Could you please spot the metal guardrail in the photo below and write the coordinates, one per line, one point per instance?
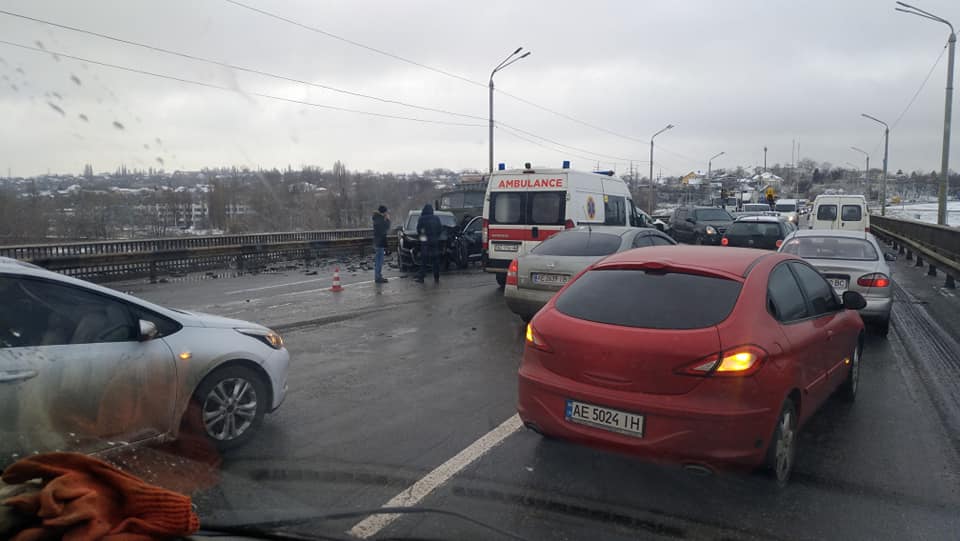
(937, 244)
(114, 260)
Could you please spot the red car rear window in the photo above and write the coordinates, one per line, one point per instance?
(650, 299)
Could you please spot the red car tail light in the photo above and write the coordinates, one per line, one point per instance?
(569, 224)
(724, 241)
(734, 362)
(877, 279)
(512, 273)
(485, 234)
(535, 341)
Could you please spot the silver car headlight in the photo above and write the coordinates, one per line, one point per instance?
(266, 336)
(711, 230)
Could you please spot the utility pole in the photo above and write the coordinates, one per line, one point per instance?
(506, 62)
(764, 159)
(653, 203)
(886, 148)
(866, 171)
(947, 110)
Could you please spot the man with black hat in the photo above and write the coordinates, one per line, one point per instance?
(381, 226)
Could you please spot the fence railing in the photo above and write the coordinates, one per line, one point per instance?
(114, 260)
(937, 245)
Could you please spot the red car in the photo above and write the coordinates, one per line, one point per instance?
(706, 356)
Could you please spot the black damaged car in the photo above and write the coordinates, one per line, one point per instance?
(459, 243)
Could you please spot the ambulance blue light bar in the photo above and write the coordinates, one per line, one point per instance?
(501, 166)
(607, 173)
(566, 164)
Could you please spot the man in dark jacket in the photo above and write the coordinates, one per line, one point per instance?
(429, 229)
(381, 226)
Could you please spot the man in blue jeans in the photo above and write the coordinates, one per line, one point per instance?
(381, 226)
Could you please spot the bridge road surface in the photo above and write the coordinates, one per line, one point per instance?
(390, 382)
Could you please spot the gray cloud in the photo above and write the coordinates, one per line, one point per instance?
(733, 77)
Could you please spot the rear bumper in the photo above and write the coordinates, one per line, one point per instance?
(495, 265)
(526, 302)
(877, 308)
(687, 428)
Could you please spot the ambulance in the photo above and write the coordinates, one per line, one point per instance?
(524, 207)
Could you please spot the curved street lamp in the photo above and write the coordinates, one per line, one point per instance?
(886, 148)
(507, 62)
(653, 204)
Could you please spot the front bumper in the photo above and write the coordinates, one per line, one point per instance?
(278, 367)
(692, 428)
(526, 302)
(712, 240)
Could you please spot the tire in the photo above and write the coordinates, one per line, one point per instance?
(210, 396)
(501, 280)
(463, 259)
(849, 388)
(400, 265)
(783, 445)
(883, 328)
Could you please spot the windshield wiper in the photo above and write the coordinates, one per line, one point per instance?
(267, 530)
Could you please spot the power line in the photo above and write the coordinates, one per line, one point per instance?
(430, 68)
(508, 131)
(354, 43)
(231, 90)
(236, 67)
(618, 158)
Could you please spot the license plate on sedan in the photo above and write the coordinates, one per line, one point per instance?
(839, 284)
(549, 279)
(507, 246)
(613, 420)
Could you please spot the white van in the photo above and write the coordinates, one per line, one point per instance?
(847, 212)
(524, 207)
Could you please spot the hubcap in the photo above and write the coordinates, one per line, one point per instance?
(229, 409)
(785, 446)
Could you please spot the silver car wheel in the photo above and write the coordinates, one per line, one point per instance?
(229, 409)
(785, 446)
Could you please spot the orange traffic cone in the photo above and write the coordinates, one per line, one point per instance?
(336, 281)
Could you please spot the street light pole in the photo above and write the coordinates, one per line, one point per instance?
(947, 110)
(886, 149)
(506, 62)
(710, 165)
(653, 204)
(866, 172)
(764, 159)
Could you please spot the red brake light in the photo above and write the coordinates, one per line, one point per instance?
(779, 243)
(485, 234)
(512, 273)
(735, 362)
(877, 279)
(569, 224)
(535, 341)
(724, 241)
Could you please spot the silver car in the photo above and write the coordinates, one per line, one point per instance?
(534, 278)
(850, 260)
(85, 368)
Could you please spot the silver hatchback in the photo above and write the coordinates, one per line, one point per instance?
(850, 260)
(534, 278)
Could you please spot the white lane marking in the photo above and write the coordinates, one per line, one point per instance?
(412, 495)
(295, 284)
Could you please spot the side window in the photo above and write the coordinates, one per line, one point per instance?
(823, 300)
(851, 213)
(474, 226)
(614, 210)
(827, 212)
(641, 241)
(165, 326)
(681, 215)
(657, 240)
(784, 299)
(42, 313)
(506, 207)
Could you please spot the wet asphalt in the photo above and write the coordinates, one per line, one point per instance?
(390, 381)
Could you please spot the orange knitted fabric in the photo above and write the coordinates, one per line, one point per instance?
(86, 499)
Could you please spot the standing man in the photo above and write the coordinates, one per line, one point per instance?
(381, 226)
(429, 229)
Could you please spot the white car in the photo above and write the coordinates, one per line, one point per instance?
(85, 368)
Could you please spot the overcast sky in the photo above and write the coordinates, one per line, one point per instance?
(732, 76)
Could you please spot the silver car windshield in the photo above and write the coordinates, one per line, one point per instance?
(831, 248)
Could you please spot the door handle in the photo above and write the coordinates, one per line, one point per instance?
(18, 375)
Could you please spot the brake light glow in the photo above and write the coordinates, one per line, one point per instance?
(877, 279)
(569, 224)
(485, 234)
(779, 243)
(535, 341)
(724, 241)
(512, 273)
(734, 362)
